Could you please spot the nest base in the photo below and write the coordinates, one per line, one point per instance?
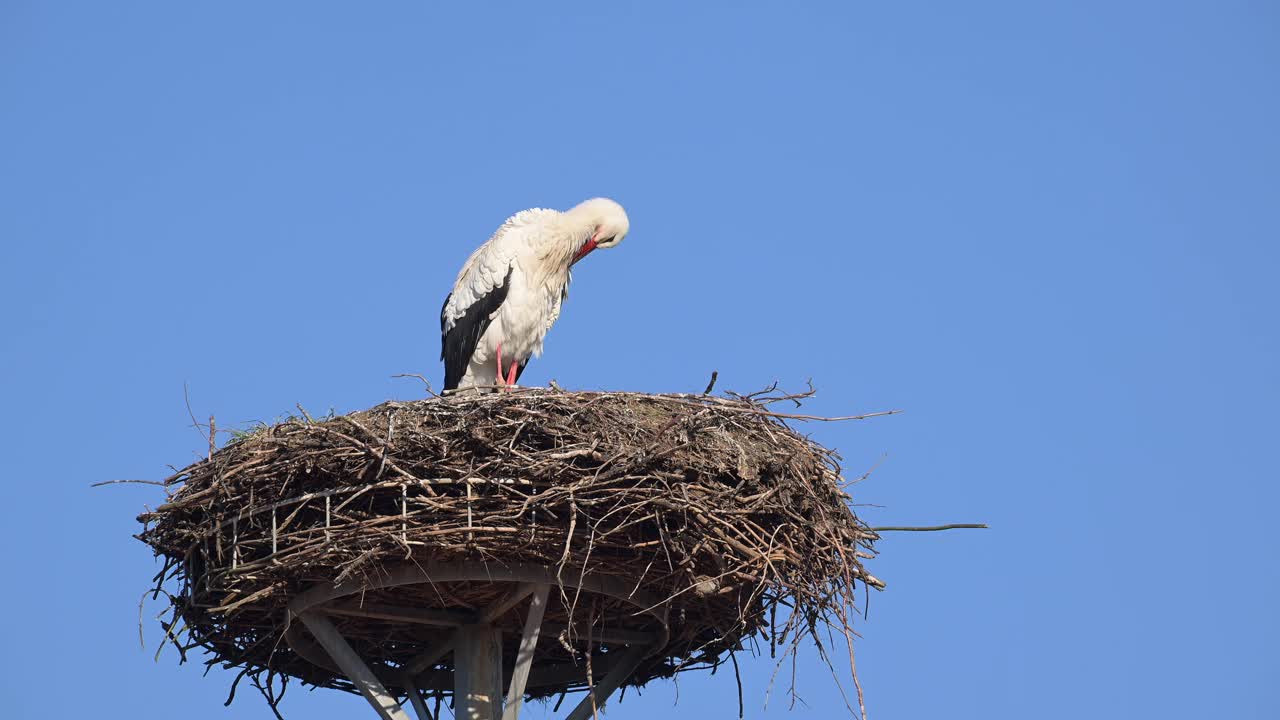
(478, 646)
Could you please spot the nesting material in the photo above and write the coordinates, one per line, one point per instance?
(733, 523)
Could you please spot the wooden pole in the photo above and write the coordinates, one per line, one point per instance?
(415, 698)
(597, 695)
(522, 591)
(524, 656)
(477, 677)
(431, 655)
(354, 667)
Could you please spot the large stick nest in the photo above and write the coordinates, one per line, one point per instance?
(712, 506)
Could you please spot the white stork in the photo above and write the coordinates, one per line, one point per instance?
(509, 292)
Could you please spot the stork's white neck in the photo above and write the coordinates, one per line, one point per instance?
(568, 235)
(577, 226)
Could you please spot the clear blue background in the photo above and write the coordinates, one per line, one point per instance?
(1046, 230)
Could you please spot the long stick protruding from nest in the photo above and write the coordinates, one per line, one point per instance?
(930, 528)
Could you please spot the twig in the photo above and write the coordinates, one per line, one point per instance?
(425, 381)
(820, 418)
(712, 383)
(738, 678)
(930, 528)
(304, 412)
(186, 397)
(141, 482)
(141, 641)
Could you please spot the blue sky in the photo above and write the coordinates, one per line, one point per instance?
(1046, 230)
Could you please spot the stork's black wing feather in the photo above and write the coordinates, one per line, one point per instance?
(459, 342)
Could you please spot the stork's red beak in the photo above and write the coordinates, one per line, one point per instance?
(583, 251)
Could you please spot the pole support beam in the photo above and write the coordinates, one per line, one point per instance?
(354, 667)
(597, 695)
(524, 656)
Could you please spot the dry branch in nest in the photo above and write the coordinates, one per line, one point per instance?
(711, 508)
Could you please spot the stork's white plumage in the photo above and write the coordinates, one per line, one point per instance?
(509, 291)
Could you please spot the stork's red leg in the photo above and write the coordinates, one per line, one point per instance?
(501, 380)
(511, 377)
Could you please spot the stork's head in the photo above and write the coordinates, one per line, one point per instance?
(604, 223)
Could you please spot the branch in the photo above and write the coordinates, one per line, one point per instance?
(425, 382)
(186, 398)
(930, 528)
